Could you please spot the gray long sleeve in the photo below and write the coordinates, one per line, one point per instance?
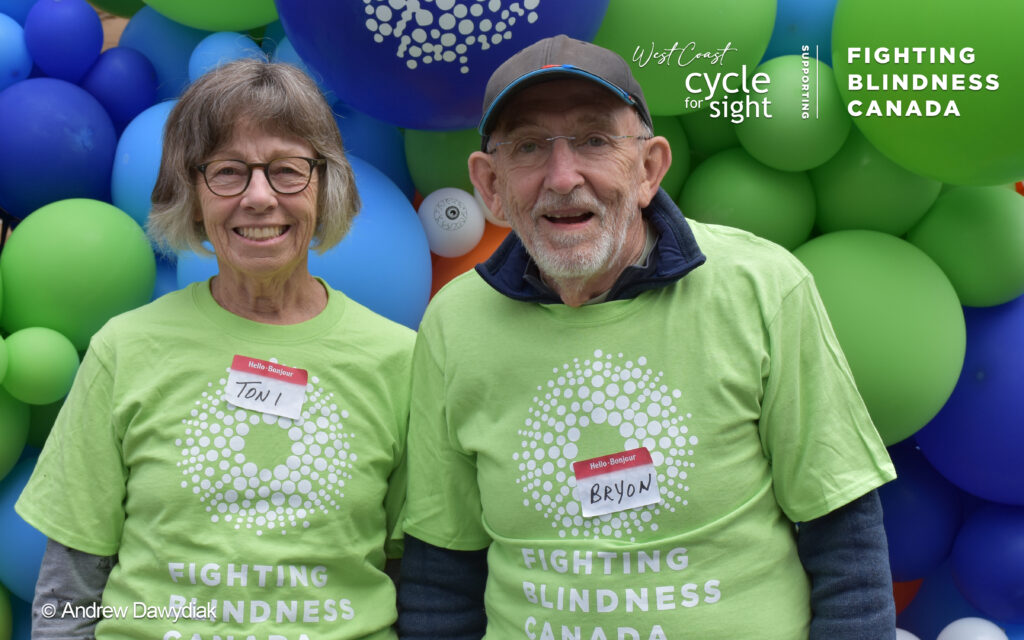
(68, 577)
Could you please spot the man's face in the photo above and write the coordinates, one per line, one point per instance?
(575, 204)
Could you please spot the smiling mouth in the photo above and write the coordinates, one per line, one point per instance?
(576, 219)
(261, 233)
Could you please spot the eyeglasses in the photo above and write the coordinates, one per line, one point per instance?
(286, 176)
(531, 151)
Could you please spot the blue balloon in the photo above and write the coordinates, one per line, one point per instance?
(166, 276)
(988, 562)
(56, 142)
(377, 142)
(64, 37)
(286, 53)
(977, 439)
(21, 616)
(124, 81)
(15, 61)
(799, 23)
(922, 514)
(273, 34)
(192, 267)
(220, 48)
(167, 44)
(17, 9)
(22, 545)
(937, 603)
(137, 161)
(424, 65)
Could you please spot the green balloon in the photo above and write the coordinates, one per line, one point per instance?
(859, 188)
(665, 41)
(984, 145)
(123, 8)
(41, 365)
(41, 419)
(222, 15)
(6, 616)
(807, 123)
(72, 265)
(898, 320)
(976, 234)
(14, 428)
(673, 131)
(438, 159)
(733, 189)
(707, 135)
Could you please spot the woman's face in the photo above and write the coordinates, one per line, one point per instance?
(259, 234)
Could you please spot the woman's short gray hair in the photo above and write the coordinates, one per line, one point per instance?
(278, 98)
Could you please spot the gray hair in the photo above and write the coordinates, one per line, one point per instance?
(280, 98)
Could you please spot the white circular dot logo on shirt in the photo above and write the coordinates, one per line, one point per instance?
(424, 36)
(300, 468)
(603, 392)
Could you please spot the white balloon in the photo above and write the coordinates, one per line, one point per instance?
(902, 634)
(487, 211)
(452, 221)
(972, 629)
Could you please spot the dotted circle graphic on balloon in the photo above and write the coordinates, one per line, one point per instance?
(599, 393)
(284, 497)
(445, 31)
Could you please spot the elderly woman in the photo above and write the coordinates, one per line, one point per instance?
(229, 461)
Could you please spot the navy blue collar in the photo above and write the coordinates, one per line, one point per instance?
(512, 272)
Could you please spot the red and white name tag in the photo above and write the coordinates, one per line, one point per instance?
(616, 482)
(267, 387)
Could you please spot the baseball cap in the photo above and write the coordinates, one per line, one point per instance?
(560, 57)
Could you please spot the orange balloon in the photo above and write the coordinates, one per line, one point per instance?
(904, 592)
(447, 268)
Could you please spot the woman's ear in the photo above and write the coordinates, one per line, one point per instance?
(485, 179)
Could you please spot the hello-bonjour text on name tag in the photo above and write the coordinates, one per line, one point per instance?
(616, 482)
(266, 387)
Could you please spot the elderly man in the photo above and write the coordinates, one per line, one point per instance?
(625, 424)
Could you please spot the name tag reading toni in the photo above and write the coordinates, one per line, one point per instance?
(267, 387)
(616, 482)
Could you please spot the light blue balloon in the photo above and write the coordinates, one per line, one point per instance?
(220, 48)
(22, 545)
(15, 61)
(799, 23)
(192, 267)
(137, 161)
(167, 44)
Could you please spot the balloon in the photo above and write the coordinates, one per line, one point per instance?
(904, 592)
(73, 264)
(16, 9)
(57, 141)
(672, 129)
(124, 82)
(938, 602)
(14, 425)
(447, 268)
(23, 546)
(974, 144)
(273, 35)
(725, 37)
(6, 615)
(222, 15)
(439, 159)
(706, 135)
(859, 188)
(971, 629)
(902, 634)
(452, 221)
(286, 53)
(988, 561)
(799, 23)
(41, 419)
(922, 514)
(898, 320)
(220, 48)
(123, 8)
(375, 141)
(42, 365)
(166, 276)
(805, 127)
(15, 61)
(64, 37)
(388, 235)
(424, 65)
(976, 234)
(137, 161)
(976, 440)
(734, 189)
(167, 44)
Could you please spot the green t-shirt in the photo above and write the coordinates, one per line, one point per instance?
(275, 528)
(733, 381)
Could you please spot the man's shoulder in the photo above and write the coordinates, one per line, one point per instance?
(729, 247)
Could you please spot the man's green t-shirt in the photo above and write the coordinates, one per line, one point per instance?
(732, 380)
(271, 527)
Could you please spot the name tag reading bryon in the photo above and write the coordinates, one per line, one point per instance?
(616, 482)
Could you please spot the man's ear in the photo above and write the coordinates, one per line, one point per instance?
(485, 179)
(656, 161)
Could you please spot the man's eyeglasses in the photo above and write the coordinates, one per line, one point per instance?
(531, 151)
(285, 175)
